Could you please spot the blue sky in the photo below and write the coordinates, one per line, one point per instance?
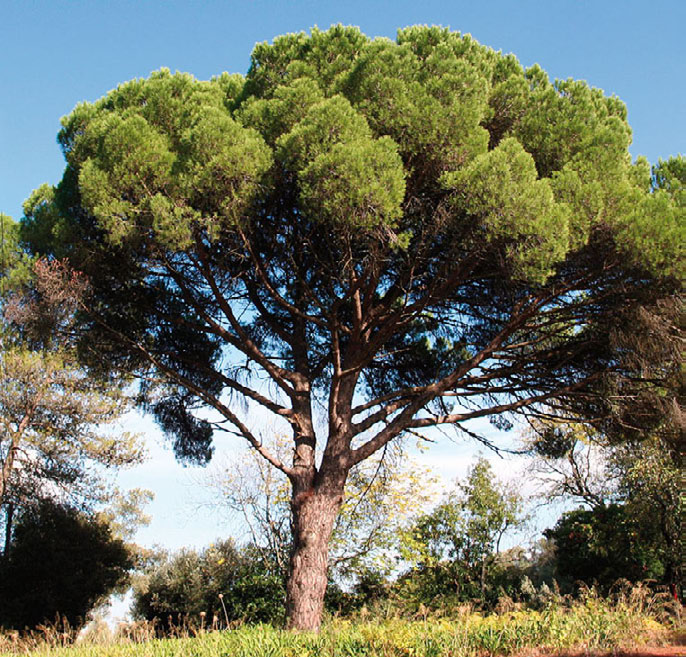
(56, 53)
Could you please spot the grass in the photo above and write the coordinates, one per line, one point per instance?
(592, 624)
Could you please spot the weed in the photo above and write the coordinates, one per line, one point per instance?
(592, 623)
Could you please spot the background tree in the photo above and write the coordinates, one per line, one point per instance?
(455, 547)
(62, 563)
(381, 494)
(125, 514)
(411, 234)
(58, 424)
(632, 525)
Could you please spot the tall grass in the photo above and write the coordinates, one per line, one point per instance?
(593, 623)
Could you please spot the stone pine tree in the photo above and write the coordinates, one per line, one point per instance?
(365, 238)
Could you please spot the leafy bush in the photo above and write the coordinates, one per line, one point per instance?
(602, 545)
(221, 584)
(61, 562)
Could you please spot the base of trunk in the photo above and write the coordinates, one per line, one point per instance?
(314, 514)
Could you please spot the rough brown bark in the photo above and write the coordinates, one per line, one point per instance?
(314, 512)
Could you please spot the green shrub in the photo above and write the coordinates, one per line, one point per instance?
(61, 563)
(222, 584)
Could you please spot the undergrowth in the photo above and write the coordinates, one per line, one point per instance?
(589, 624)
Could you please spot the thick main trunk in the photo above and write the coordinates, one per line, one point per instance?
(314, 513)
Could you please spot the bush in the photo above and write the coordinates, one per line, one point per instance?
(60, 563)
(221, 584)
(603, 545)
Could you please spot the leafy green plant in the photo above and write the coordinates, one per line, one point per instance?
(216, 586)
(61, 564)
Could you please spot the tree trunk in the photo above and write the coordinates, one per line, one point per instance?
(314, 512)
(9, 517)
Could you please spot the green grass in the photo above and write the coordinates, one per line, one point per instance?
(590, 625)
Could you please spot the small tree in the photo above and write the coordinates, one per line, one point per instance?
(404, 234)
(58, 423)
(62, 563)
(461, 537)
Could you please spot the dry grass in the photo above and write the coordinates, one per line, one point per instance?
(591, 625)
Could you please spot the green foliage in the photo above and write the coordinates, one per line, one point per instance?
(456, 546)
(605, 544)
(61, 564)
(15, 265)
(224, 583)
(502, 186)
(655, 223)
(669, 176)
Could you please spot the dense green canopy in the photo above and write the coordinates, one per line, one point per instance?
(432, 186)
